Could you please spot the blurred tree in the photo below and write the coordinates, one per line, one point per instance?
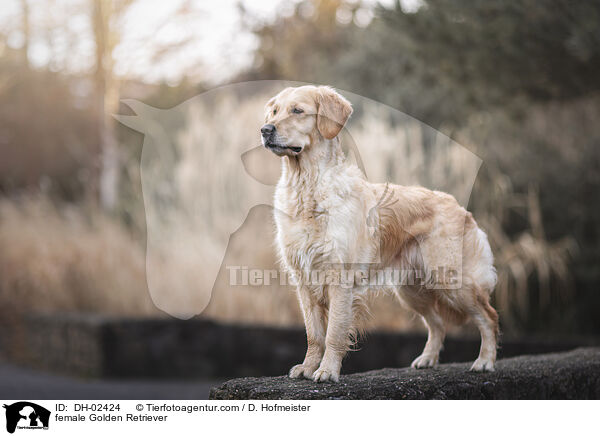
(107, 21)
(491, 53)
(304, 45)
(444, 61)
(106, 34)
(26, 32)
(65, 80)
(45, 128)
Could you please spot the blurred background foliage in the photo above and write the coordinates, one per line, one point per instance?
(516, 82)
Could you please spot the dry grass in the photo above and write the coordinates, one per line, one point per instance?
(526, 257)
(64, 259)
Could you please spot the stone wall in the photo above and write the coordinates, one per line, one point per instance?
(97, 346)
(569, 375)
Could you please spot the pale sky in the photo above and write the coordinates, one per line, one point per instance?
(217, 47)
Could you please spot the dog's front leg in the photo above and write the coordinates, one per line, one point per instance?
(314, 320)
(338, 334)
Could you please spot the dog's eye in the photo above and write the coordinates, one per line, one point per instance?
(297, 110)
(274, 111)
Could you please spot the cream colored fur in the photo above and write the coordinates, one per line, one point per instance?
(329, 217)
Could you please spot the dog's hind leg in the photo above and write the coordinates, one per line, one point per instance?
(314, 320)
(486, 319)
(435, 340)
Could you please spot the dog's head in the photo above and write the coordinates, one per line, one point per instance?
(297, 118)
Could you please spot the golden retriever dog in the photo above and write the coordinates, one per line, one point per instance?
(330, 218)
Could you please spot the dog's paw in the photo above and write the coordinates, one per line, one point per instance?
(301, 370)
(425, 361)
(326, 374)
(483, 365)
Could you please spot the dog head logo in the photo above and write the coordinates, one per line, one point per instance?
(202, 171)
(26, 415)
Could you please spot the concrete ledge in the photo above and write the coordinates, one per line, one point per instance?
(570, 375)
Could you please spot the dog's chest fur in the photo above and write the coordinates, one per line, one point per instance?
(319, 218)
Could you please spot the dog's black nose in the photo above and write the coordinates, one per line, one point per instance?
(267, 129)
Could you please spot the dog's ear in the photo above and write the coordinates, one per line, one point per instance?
(333, 112)
(269, 108)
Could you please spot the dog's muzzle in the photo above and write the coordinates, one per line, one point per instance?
(269, 137)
